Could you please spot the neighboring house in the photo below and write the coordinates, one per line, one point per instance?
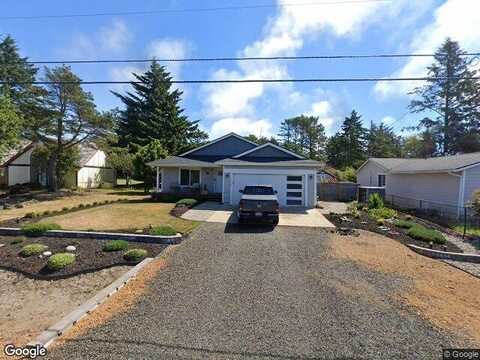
(92, 170)
(225, 165)
(326, 177)
(449, 181)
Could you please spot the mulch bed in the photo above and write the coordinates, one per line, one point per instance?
(395, 233)
(89, 256)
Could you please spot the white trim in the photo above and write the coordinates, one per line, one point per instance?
(461, 193)
(272, 145)
(190, 169)
(217, 140)
(223, 186)
(467, 167)
(267, 171)
(157, 188)
(305, 192)
(315, 189)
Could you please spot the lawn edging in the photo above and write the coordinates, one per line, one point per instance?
(47, 337)
(158, 239)
(437, 254)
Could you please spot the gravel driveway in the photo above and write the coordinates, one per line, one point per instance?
(229, 293)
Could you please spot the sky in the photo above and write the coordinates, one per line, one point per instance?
(286, 28)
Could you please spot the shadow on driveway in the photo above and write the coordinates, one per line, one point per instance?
(234, 228)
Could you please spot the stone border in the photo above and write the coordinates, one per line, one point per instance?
(47, 337)
(437, 254)
(166, 240)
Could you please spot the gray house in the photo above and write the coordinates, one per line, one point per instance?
(225, 165)
(447, 183)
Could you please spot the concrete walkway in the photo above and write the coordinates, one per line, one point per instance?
(292, 216)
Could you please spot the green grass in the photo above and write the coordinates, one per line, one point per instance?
(33, 249)
(60, 261)
(421, 233)
(471, 230)
(39, 229)
(404, 224)
(135, 255)
(164, 230)
(382, 213)
(115, 245)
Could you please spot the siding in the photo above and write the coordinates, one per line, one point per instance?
(95, 172)
(268, 153)
(368, 175)
(170, 178)
(439, 187)
(225, 148)
(20, 174)
(472, 182)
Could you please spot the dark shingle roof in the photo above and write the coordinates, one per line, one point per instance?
(437, 164)
(388, 163)
(176, 161)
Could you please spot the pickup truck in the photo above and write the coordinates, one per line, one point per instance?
(258, 203)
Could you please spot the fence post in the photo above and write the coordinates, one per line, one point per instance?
(464, 221)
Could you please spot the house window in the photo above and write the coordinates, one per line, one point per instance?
(189, 177)
(381, 180)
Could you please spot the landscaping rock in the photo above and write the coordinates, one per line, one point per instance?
(347, 231)
(384, 228)
(71, 248)
(47, 253)
(345, 219)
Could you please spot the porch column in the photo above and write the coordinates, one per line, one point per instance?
(158, 179)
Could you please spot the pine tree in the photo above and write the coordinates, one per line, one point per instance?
(10, 125)
(451, 100)
(152, 112)
(383, 142)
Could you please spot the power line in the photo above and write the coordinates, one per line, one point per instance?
(244, 58)
(187, 10)
(243, 81)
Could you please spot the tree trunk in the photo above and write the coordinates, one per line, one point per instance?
(52, 173)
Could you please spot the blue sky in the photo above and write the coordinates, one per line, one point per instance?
(397, 26)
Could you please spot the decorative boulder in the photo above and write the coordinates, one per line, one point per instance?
(71, 248)
(47, 253)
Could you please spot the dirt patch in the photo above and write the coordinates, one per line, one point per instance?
(29, 306)
(448, 297)
(126, 297)
(395, 233)
(89, 256)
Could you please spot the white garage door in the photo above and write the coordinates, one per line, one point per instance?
(290, 188)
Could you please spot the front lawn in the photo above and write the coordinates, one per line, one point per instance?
(471, 230)
(128, 217)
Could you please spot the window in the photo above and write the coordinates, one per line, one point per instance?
(258, 190)
(294, 194)
(189, 177)
(381, 180)
(294, 178)
(294, 186)
(294, 202)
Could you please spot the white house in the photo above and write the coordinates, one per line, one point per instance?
(447, 182)
(225, 165)
(92, 169)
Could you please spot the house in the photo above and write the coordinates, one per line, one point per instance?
(225, 165)
(445, 183)
(325, 176)
(19, 167)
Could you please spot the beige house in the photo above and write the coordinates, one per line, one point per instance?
(447, 183)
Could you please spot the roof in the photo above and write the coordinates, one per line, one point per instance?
(268, 145)
(217, 140)
(15, 152)
(285, 163)
(87, 151)
(386, 163)
(177, 161)
(437, 164)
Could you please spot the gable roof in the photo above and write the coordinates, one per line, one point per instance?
(251, 151)
(177, 161)
(287, 163)
(16, 152)
(438, 164)
(87, 151)
(386, 163)
(232, 134)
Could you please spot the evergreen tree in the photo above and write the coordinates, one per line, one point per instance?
(150, 152)
(383, 142)
(451, 100)
(152, 112)
(419, 146)
(260, 140)
(10, 125)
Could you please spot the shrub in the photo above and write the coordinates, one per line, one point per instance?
(381, 221)
(404, 224)
(60, 261)
(375, 201)
(421, 233)
(115, 245)
(46, 213)
(17, 240)
(39, 228)
(65, 208)
(33, 249)
(81, 206)
(165, 230)
(186, 202)
(95, 203)
(135, 255)
(384, 213)
(30, 215)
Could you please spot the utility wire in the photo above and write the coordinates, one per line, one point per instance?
(242, 81)
(246, 58)
(187, 10)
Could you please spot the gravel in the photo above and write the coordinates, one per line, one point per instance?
(254, 293)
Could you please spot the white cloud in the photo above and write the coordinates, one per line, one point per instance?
(457, 19)
(387, 120)
(169, 49)
(242, 126)
(115, 37)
